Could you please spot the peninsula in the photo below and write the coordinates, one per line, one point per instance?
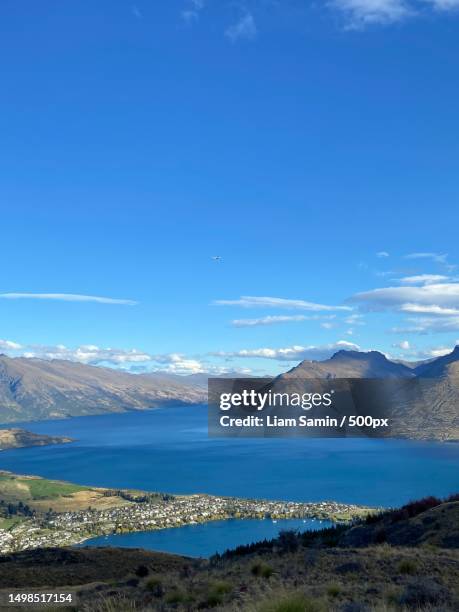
(20, 438)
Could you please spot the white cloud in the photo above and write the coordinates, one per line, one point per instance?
(433, 309)
(382, 254)
(436, 294)
(291, 353)
(354, 319)
(361, 13)
(9, 345)
(276, 319)
(65, 297)
(404, 345)
(436, 257)
(423, 279)
(245, 29)
(429, 353)
(267, 320)
(429, 325)
(89, 354)
(445, 5)
(274, 302)
(176, 363)
(438, 301)
(192, 10)
(410, 352)
(438, 351)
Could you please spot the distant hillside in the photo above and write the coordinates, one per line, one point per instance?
(448, 365)
(199, 379)
(35, 389)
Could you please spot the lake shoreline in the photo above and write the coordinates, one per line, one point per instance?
(217, 536)
(62, 514)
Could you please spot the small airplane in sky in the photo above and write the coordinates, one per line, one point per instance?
(216, 257)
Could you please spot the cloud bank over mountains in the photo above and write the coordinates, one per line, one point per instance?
(92, 354)
(292, 353)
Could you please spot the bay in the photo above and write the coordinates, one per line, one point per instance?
(206, 539)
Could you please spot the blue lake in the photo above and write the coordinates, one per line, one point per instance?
(206, 539)
(168, 450)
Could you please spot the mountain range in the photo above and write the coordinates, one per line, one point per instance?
(37, 389)
(352, 364)
(428, 409)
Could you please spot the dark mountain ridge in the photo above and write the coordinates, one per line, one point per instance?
(351, 364)
(426, 408)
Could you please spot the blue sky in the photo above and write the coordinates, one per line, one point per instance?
(313, 146)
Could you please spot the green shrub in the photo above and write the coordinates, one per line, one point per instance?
(216, 594)
(262, 570)
(176, 596)
(222, 587)
(407, 566)
(333, 589)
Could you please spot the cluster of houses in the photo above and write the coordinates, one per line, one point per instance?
(66, 528)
